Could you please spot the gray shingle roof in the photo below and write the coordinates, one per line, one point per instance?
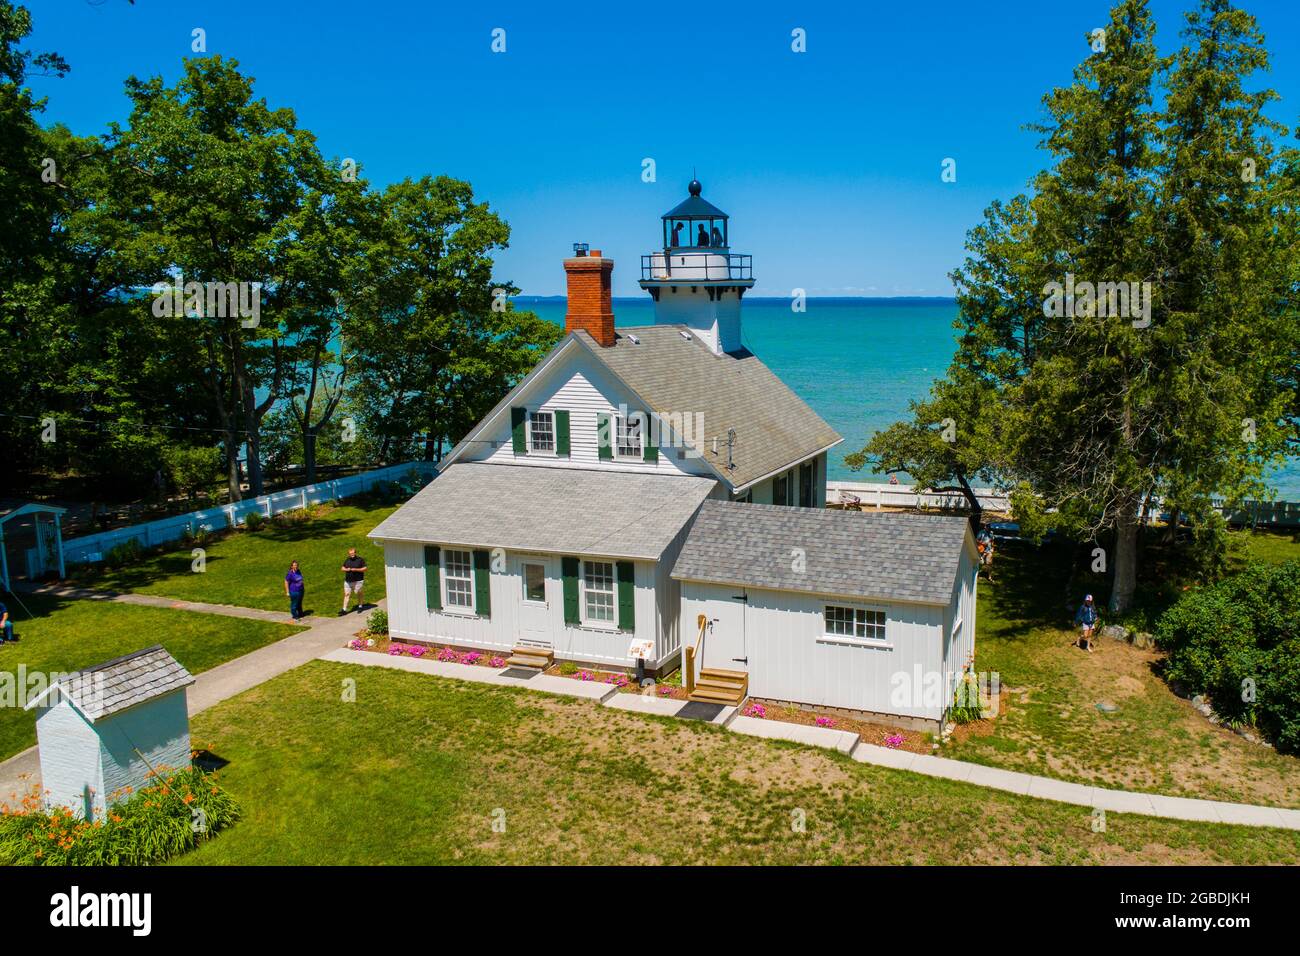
(884, 556)
(123, 682)
(675, 375)
(558, 510)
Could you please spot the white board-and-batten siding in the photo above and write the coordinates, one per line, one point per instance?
(580, 385)
(790, 657)
(410, 618)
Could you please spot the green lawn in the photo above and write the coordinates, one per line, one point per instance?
(417, 769)
(65, 635)
(246, 568)
(1050, 723)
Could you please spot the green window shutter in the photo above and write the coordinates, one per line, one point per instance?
(482, 584)
(649, 452)
(626, 596)
(432, 582)
(605, 436)
(562, 432)
(569, 574)
(518, 422)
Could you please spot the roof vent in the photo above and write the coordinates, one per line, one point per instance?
(685, 335)
(633, 339)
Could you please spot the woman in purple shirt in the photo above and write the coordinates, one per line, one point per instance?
(294, 588)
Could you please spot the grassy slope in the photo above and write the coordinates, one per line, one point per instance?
(1051, 725)
(414, 769)
(65, 635)
(246, 568)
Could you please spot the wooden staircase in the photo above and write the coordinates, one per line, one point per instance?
(717, 686)
(538, 658)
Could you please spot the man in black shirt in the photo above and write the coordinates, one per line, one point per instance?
(354, 579)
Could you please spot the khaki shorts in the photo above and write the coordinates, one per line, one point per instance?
(353, 587)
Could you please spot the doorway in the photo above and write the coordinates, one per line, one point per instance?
(536, 583)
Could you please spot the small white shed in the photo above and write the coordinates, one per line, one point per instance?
(871, 613)
(108, 727)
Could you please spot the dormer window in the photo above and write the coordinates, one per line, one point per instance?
(629, 442)
(541, 433)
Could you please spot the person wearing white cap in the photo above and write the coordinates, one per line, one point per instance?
(1086, 617)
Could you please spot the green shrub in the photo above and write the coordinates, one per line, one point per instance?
(568, 668)
(254, 520)
(1238, 641)
(165, 819)
(124, 553)
(377, 622)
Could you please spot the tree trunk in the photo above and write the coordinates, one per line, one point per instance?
(232, 467)
(309, 453)
(1124, 583)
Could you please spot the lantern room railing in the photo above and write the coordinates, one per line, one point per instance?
(703, 264)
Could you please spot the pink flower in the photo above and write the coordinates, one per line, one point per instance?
(825, 722)
(756, 710)
(497, 661)
(395, 650)
(586, 675)
(471, 658)
(417, 650)
(894, 740)
(447, 654)
(665, 691)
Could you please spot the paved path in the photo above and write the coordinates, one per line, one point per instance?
(846, 742)
(154, 600)
(225, 680)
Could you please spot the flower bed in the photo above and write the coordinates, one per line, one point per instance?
(156, 823)
(383, 645)
(880, 735)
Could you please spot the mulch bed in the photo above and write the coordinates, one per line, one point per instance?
(916, 741)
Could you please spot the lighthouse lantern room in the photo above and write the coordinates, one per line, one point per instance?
(696, 280)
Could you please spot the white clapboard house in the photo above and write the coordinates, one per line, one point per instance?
(660, 484)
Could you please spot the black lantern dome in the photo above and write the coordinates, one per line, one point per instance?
(695, 223)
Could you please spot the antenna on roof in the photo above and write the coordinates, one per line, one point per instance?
(731, 441)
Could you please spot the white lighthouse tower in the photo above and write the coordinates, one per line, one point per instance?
(696, 280)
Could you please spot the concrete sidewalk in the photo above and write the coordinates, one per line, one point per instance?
(223, 681)
(154, 600)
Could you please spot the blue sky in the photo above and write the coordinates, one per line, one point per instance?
(828, 161)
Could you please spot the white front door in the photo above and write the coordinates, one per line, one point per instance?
(534, 578)
(724, 644)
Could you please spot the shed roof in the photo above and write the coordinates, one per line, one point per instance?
(882, 556)
(555, 510)
(678, 374)
(124, 682)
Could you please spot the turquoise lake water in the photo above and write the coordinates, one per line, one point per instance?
(858, 362)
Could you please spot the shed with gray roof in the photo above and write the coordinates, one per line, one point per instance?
(872, 613)
(106, 731)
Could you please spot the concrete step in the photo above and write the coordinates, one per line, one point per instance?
(709, 696)
(529, 660)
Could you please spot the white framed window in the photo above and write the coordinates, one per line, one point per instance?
(598, 605)
(534, 580)
(457, 579)
(541, 433)
(859, 623)
(628, 436)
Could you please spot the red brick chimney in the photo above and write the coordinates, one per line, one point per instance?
(590, 300)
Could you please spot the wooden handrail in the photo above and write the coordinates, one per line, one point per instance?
(703, 623)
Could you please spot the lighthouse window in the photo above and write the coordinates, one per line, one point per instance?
(629, 436)
(541, 428)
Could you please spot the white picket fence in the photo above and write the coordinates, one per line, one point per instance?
(880, 494)
(93, 547)
(1264, 514)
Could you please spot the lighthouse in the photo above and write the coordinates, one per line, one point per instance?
(695, 279)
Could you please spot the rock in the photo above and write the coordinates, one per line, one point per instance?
(1198, 701)
(1106, 707)
(1179, 689)
(1115, 632)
